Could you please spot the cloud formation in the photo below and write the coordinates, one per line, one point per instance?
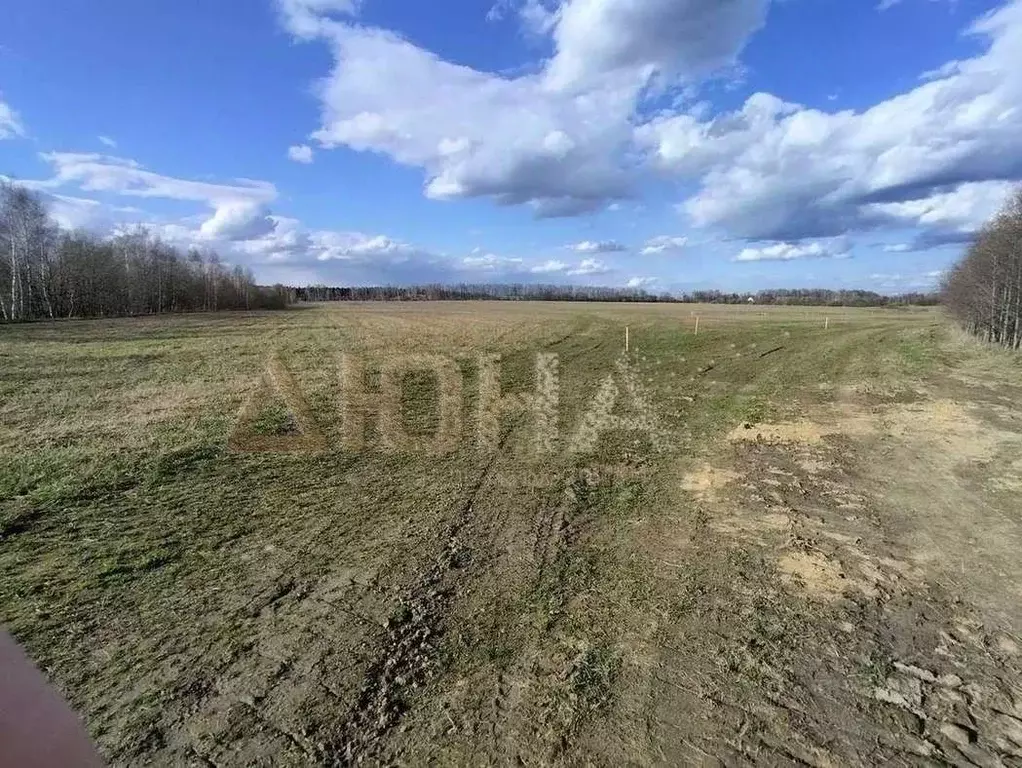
(578, 132)
(240, 210)
(300, 153)
(308, 19)
(243, 230)
(571, 137)
(558, 139)
(597, 40)
(642, 282)
(536, 16)
(582, 268)
(777, 170)
(10, 123)
(492, 263)
(663, 244)
(790, 251)
(598, 246)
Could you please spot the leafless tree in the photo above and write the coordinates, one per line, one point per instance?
(47, 273)
(984, 290)
(26, 238)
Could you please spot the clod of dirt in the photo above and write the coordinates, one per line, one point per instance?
(805, 432)
(706, 481)
(820, 577)
(958, 734)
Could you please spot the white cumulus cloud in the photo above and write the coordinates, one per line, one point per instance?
(776, 170)
(584, 267)
(10, 123)
(310, 18)
(537, 16)
(791, 251)
(589, 267)
(239, 210)
(642, 282)
(663, 244)
(300, 153)
(240, 220)
(962, 209)
(635, 38)
(548, 267)
(598, 246)
(491, 262)
(558, 139)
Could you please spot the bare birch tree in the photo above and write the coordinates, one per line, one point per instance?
(47, 273)
(984, 290)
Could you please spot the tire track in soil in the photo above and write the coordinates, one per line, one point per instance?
(558, 527)
(197, 694)
(407, 659)
(403, 629)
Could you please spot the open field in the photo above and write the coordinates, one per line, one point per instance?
(801, 545)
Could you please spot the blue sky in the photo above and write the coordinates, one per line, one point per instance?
(673, 144)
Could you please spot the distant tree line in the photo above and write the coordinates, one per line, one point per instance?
(814, 297)
(473, 291)
(532, 292)
(46, 272)
(983, 291)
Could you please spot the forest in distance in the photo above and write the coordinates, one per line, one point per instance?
(540, 292)
(49, 273)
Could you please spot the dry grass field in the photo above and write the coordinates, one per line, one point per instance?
(793, 538)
